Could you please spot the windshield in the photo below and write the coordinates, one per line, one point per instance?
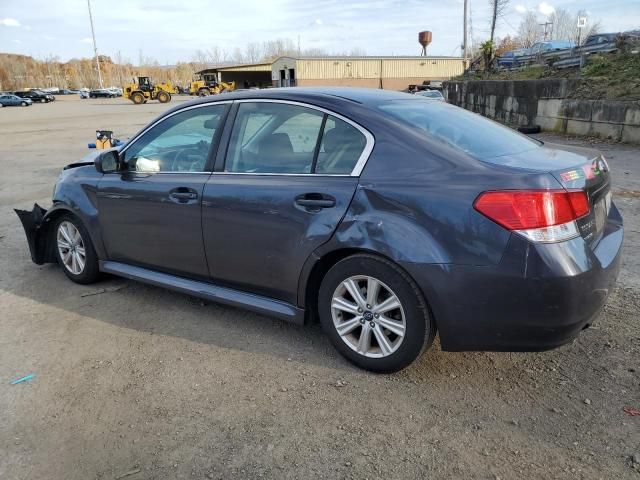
(480, 137)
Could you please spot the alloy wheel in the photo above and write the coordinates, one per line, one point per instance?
(71, 247)
(368, 316)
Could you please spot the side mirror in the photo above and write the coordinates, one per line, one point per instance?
(107, 162)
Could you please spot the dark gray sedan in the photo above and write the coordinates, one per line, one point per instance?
(386, 216)
(10, 100)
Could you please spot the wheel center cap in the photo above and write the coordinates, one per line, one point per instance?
(368, 316)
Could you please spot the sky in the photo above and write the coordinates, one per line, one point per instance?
(172, 30)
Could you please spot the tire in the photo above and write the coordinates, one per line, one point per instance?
(137, 98)
(203, 92)
(24, 104)
(530, 130)
(88, 273)
(411, 318)
(164, 97)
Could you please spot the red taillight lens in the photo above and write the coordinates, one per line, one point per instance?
(529, 209)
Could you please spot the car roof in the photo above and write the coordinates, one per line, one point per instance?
(365, 96)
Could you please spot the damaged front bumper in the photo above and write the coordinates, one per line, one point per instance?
(36, 227)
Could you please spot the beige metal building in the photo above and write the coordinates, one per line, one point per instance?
(391, 73)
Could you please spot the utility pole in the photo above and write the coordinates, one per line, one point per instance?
(465, 34)
(95, 48)
(545, 25)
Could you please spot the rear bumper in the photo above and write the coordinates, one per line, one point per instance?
(539, 296)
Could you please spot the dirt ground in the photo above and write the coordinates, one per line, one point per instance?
(136, 382)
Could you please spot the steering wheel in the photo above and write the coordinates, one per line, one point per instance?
(181, 161)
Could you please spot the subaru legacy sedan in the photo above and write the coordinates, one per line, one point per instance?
(386, 216)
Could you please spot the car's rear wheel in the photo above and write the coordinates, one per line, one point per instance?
(74, 250)
(374, 313)
(24, 104)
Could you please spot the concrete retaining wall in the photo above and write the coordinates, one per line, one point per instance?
(545, 103)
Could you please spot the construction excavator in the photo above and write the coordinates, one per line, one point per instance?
(145, 90)
(207, 84)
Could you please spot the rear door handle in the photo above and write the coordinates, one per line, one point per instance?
(315, 201)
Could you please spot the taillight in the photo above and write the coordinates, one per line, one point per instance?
(539, 215)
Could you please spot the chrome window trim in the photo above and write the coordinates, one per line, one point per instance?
(137, 137)
(361, 162)
(357, 169)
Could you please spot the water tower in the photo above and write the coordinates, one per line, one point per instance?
(424, 38)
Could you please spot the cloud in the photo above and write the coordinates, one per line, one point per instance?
(318, 21)
(521, 9)
(545, 9)
(16, 41)
(86, 40)
(9, 22)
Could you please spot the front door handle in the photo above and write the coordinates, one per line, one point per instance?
(183, 194)
(315, 201)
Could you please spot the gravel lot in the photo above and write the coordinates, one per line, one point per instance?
(132, 379)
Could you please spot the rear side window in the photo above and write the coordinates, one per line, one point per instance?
(342, 145)
(480, 137)
(283, 138)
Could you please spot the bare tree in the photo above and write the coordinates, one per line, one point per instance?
(529, 31)
(565, 26)
(254, 52)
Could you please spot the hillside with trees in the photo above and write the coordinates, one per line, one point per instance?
(21, 71)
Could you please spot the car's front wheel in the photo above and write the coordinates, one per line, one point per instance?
(74, 250)
(374, 313)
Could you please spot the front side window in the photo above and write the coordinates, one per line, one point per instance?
(282, 138)
(180, 143)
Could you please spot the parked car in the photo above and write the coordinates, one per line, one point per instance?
(102, 93)
(600, 38)
(11, 100)
(117, 92)
(510, 59)
(64, 91)
(432, 94)
(550, 46)
(386, 215)
(35, 96)
(84, 94)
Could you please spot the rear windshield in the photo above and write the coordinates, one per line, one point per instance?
(480, 137)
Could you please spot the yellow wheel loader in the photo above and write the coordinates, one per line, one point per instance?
(207, 84)
(144, 90)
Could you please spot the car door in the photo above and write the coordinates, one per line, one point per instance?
(150, 211)
(288, 176)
